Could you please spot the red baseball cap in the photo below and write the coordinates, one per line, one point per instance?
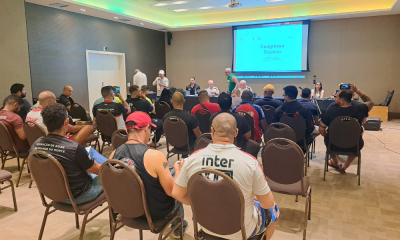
(141, 119)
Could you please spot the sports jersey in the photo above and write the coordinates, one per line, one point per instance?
(36, 117)
(212, 107)
(240, 166)
(116, 109)
(256, 113)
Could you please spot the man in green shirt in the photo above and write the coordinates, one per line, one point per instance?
(232, 80)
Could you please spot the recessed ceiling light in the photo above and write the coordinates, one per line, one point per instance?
(160, 4)
(83, 9)
(58, 5)
(141, 23)
(208, 7)
(179, 2)
(116, 17)
(172, 3)
(180, 10)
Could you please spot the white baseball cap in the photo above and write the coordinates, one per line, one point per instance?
(161, 72)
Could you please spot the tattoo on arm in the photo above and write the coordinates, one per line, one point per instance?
(368, 101)
(165, 164)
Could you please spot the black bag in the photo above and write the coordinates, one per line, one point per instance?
(373, 124)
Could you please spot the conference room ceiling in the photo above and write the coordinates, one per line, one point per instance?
(176, 15)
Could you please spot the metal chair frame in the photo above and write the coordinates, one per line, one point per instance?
(11, 185)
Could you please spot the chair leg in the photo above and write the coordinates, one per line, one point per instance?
(19, 168)
(20, 172)
(359, 170)
(326, 165)
(84, 225)
(30, 184)
(141, 234)
(297, 198)
(306, 219)
(102, 147)
(305, 163)
(13, 195)
(46, 213)
(309, 206)
(77, 221)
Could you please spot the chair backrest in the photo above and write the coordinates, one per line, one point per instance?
(202, 141)
(33, 132)
(161, 108)
(344, 132)
(106, 123)
(203, 116)
(283, 163)
(77, 111)
(176, 132)
(279, 130)
(269, 112)
(50, 177)
(249, 120)
(217, 206)
(118, 138)
(6, 142)
(124, 190)
(296, 123)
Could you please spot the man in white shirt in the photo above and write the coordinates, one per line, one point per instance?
(243, 86)
(139, 78)
(161, 82)
(260, 215)
(211, 90)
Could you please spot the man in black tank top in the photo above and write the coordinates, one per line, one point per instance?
(152, 167)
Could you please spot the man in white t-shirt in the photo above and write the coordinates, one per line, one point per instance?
(161, 82)
(224, 156)
(139, 78)
(212, 90)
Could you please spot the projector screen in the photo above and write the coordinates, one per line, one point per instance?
(275, 47)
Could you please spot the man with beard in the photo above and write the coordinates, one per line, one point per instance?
(19, 89)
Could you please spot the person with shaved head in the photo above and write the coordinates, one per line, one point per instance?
(191, 122)
(205, 103)
(259, 215)
(65, 98)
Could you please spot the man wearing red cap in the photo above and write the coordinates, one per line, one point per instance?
(152, 167)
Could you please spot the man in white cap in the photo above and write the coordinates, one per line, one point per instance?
(161, 82)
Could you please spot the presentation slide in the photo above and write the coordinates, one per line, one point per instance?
(277, 47)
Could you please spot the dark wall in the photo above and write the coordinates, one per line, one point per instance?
(58, 41)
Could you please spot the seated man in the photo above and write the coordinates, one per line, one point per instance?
(14, 123)
(243, 86)
(193, 87)
(116, 109)
(236, 98)
(305, 101)
(71, 155)
(353, 102)
(65, 98)
(204, 100)
(19, 89)
(259, 215)
(244, 130)
(151, 165)
(143, 105)
(212, 90)
(292, 106)
(145, 90)
(100, 100)
(191, 122)
(255, 111)
(269, 90)
(345, 108)
(79, 132)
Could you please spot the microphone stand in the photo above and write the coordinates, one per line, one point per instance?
(314, 99)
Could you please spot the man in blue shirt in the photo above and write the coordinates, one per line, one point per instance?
(305, 101)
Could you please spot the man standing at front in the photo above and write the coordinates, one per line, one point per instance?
(232, 80)
(161, 82)
(259, 215)
(139, 78)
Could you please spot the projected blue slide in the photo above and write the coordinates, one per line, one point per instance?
(271, 48)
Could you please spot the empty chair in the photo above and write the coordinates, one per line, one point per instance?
(55, 187)
(129, 200)
(218, 206)
(283, 166)
(77, 111)
(249, 120)
(176, 135)
(107, 125)
(279, 130)
(161, 108)
(118, 138)
(6, 176)
(203, 116)
(269, 113)
(344, 133)
(202, 141)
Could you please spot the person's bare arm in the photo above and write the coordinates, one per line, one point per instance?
(322, 128)
(367, 100)
(316, 120)
(266, 201)
(21, 134)
(197, 132)
(69, 108)
(322, 94)
(180, 194)
(156, 162)
(74, 128)
(234, 79)
(94, 122)
(95, 168)
(112, 155)
(263, 125)
(125, 103)
(247, 135)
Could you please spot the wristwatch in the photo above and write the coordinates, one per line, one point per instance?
(358, 91)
